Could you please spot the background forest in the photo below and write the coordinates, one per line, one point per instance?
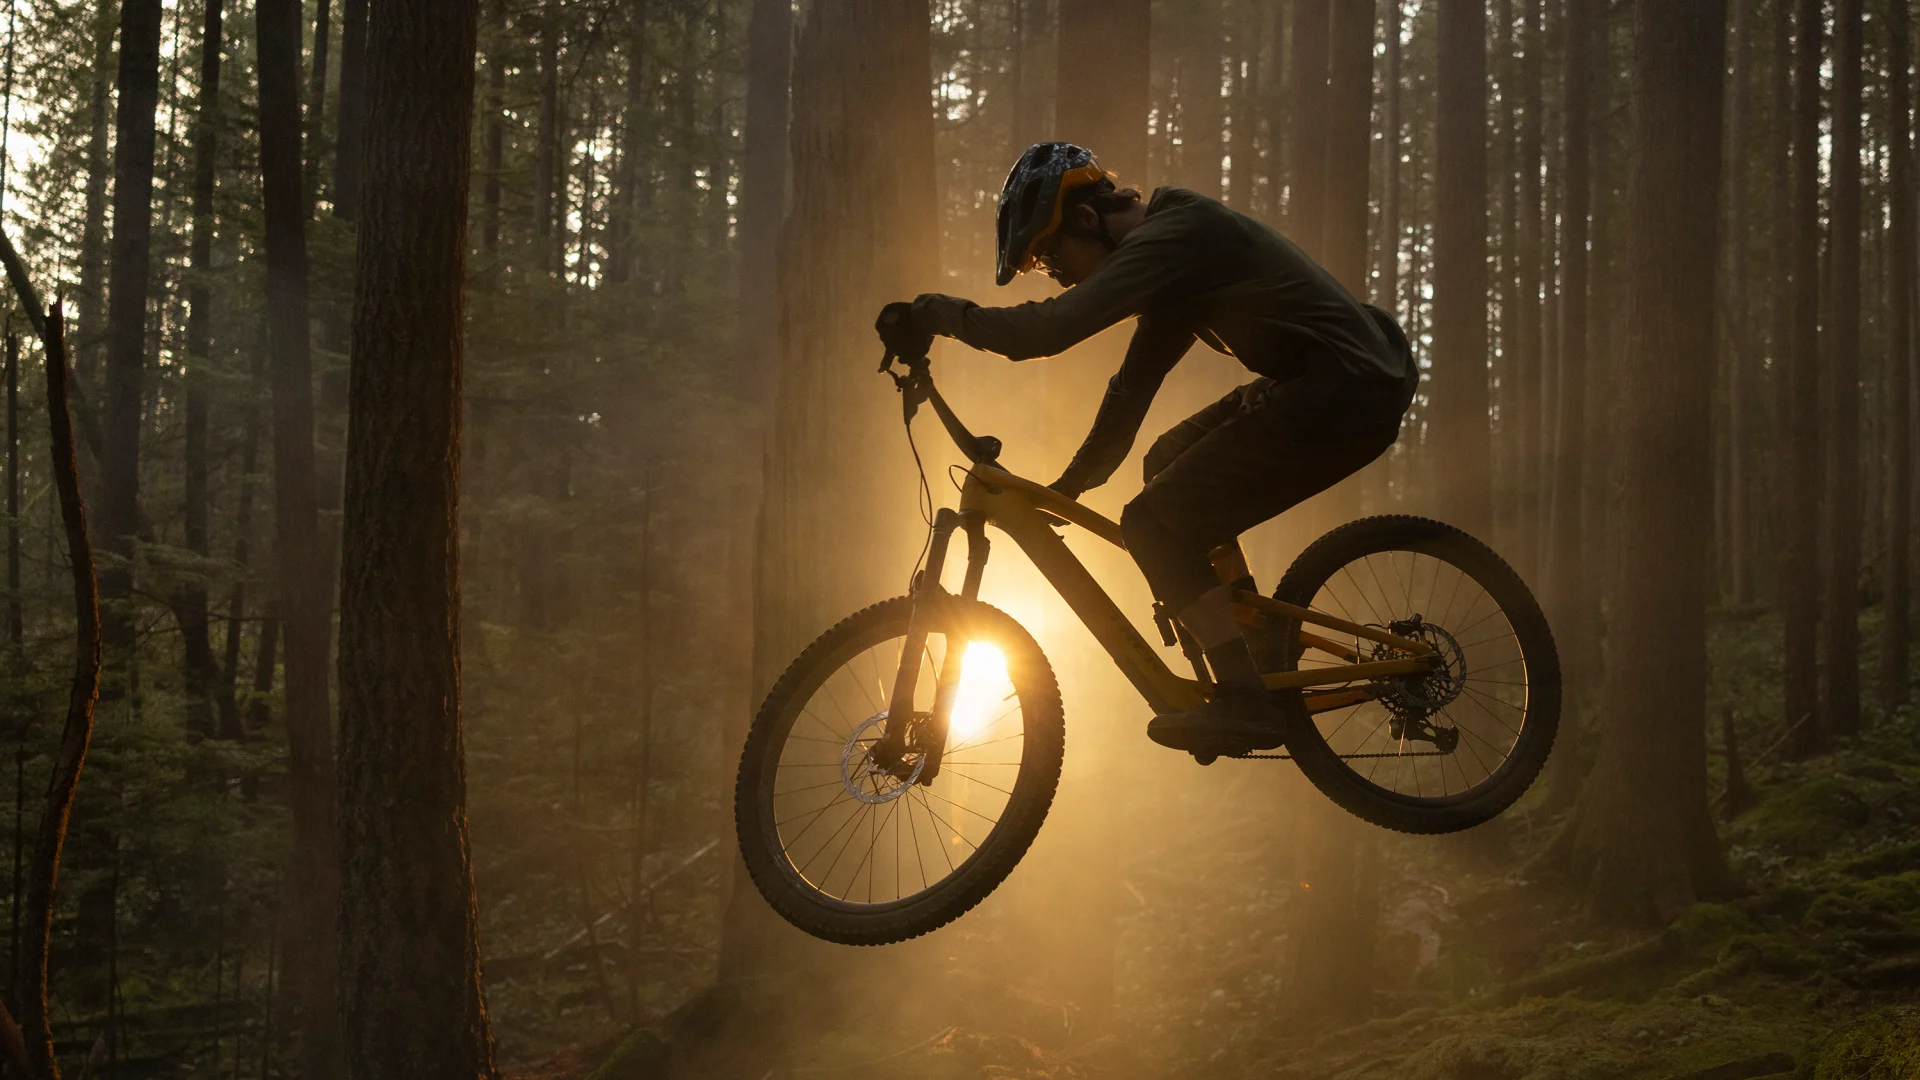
(1657, 260)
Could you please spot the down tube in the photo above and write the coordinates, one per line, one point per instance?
(1163, 690)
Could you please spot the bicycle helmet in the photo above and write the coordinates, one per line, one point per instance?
(1032, 201)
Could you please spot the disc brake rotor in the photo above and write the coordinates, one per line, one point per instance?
(1412, 699)
(866, 779)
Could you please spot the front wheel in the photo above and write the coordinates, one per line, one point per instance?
(864, 853)
(1446, 749)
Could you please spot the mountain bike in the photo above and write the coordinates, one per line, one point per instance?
(902, 765)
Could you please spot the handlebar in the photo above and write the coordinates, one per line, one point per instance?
(916, 386)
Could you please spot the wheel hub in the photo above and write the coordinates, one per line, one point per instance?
(865, 777)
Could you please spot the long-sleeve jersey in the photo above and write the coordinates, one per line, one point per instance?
(1193, 269)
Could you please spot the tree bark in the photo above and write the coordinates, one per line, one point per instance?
(1643, 841)
(231, 724)
(353, 107)
(128, 276)
(1800, 582)
(191, 605)
(1274, 99)
(1202, 111)
(1570, 594)
(1349, 143)
(1103, 60)
(1780, 296)
(90, 342)
(495, 154)
(1387, 292)
(1462, 438)
(409, 948)
(1840, 621)
(763, 191)
(630, 172)
(305, 594)
(546, 147)
(1309, 53)
(1524, 341)
(316, 111)
(16, 625)
(1736, 548)
(1897, 633)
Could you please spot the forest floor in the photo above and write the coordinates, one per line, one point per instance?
(1484, 972)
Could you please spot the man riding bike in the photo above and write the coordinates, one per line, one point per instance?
(1335, 376)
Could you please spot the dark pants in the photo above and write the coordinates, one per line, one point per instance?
(1261, 450)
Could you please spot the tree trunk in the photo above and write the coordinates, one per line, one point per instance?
(495, 154)
(266, 660)
(860, 85)
(44, 874)
(1799, 582)
(353, 107)
(231, 724)
(1523, 329)
(1780, 297)
(16, 625)
(763, 192)
(128, 275)
(305, 595)
(630, 172)
(90, 342)
(191, 604)
(1309, 53)
(1461, 436)
(1349, 139)
(1274, 99)
(1202, 111)
(412, 999)
(1387, 291)
(546, 147)
(1737, 394)
(1643, 842)
(1103, 60)
(1603, 289)
(35, 1045)
(315, 136)
(1840, 621)
(1570, 594)
(1896, 637)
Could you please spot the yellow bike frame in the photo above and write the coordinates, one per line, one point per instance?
(1029, 513)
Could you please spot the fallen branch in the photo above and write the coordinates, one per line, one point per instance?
(644, 889)
(44, 873)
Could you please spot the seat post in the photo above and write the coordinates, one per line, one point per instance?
(1230, 564)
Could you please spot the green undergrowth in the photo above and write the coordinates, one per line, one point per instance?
(1480, 972)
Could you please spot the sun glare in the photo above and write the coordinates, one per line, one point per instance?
(983, 688)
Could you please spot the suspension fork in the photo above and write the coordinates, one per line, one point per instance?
(933, 604)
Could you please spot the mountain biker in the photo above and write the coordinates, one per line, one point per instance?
(1335, 377)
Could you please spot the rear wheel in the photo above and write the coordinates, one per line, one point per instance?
(861, 854)
(1436, 752)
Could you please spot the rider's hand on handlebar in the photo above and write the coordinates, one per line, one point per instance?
(900, 332)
